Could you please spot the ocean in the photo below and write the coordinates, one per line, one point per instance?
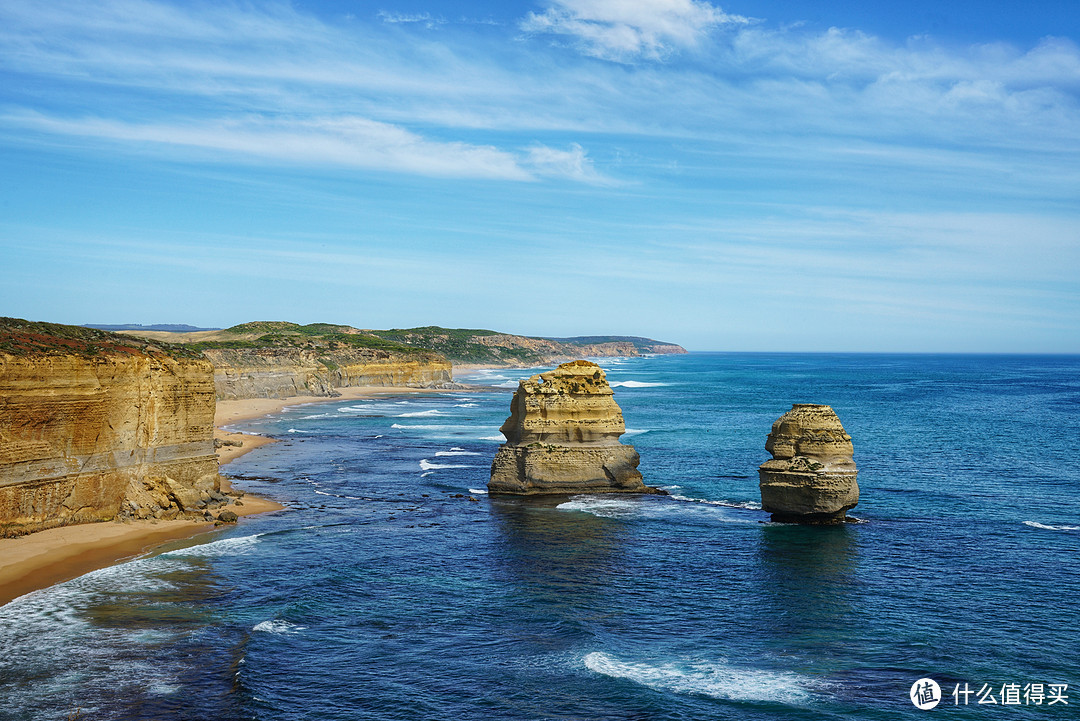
(395, 588)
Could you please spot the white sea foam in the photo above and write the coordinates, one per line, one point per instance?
(1035, 524)
(457, 452)
(602, 506)
(437, 428)
(225, 546)
(507, 384)
(751, 505)
(419, 414)
(465, 405)
(500, 439)
(297, 430)
(636, 384)
(635, 431)
(426, 465)
(278, 626)
(717, 680)
(478, 491)
(426, 473)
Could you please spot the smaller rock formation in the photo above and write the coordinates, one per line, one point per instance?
(562, 436)
(811, 477)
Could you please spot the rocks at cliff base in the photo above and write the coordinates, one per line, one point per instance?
(562, 437)
(811, 478)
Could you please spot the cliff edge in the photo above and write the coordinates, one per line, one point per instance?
(95, 425)
(277, 359)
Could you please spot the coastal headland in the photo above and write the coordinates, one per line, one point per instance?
(104, 437)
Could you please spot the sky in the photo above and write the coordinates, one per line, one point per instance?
(752, 175)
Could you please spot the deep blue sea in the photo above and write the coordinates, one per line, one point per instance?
(395, 588)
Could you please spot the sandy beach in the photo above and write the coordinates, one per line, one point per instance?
(45, 558)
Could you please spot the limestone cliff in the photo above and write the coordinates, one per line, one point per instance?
(562, 436)
(285, 372)
(811, 478)
(276, 359)
(95, 426)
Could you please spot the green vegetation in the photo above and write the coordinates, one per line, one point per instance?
(460, 346)
(24, 338)
(316, 336)
(643, 345)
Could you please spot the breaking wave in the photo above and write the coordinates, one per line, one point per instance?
(426, 465)
(278, 626)
(716, 680)
(1036, 524)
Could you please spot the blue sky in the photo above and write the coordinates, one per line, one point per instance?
(757, 175)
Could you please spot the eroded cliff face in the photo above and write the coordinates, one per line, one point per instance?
(562, 436)
(286, 372)
(811, 478)
(87, 432)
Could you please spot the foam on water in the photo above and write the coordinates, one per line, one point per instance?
(1036, 524)
(478, 491)
(297, 430)
(436, 428)
(457, 452)
(426, 465)
(278, 626)
(500, 439)
(225, 546)
(602, 506)
(465, 405)
(749, 505)
(716, 680)
(418, 414)
(635, 431)
(636, 384)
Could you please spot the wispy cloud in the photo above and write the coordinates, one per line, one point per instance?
(426, 19)
(626, 30)
(573, 163)
(348, 141)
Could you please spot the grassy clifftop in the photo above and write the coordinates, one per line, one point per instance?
(459, 345)
(20, 337)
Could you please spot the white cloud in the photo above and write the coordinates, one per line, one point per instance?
(347, 141)
(624, 30)
(426, 19)
(573, 164)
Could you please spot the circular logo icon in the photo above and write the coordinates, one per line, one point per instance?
(925, 693)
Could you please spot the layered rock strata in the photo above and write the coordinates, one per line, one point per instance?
(96, 426)
(811, 478)
(562, 437)
(287, 372)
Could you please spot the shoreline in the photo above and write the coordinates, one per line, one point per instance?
(45, 558)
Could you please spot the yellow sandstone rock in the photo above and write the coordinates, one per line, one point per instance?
(94, 429)
(562, 436)
(811, 478)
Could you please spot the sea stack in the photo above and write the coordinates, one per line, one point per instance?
(562, 437)
(811, 477)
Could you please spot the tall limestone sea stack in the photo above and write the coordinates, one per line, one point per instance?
(811, 478)
(562, 437)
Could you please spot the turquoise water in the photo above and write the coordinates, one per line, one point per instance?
(395, 588)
